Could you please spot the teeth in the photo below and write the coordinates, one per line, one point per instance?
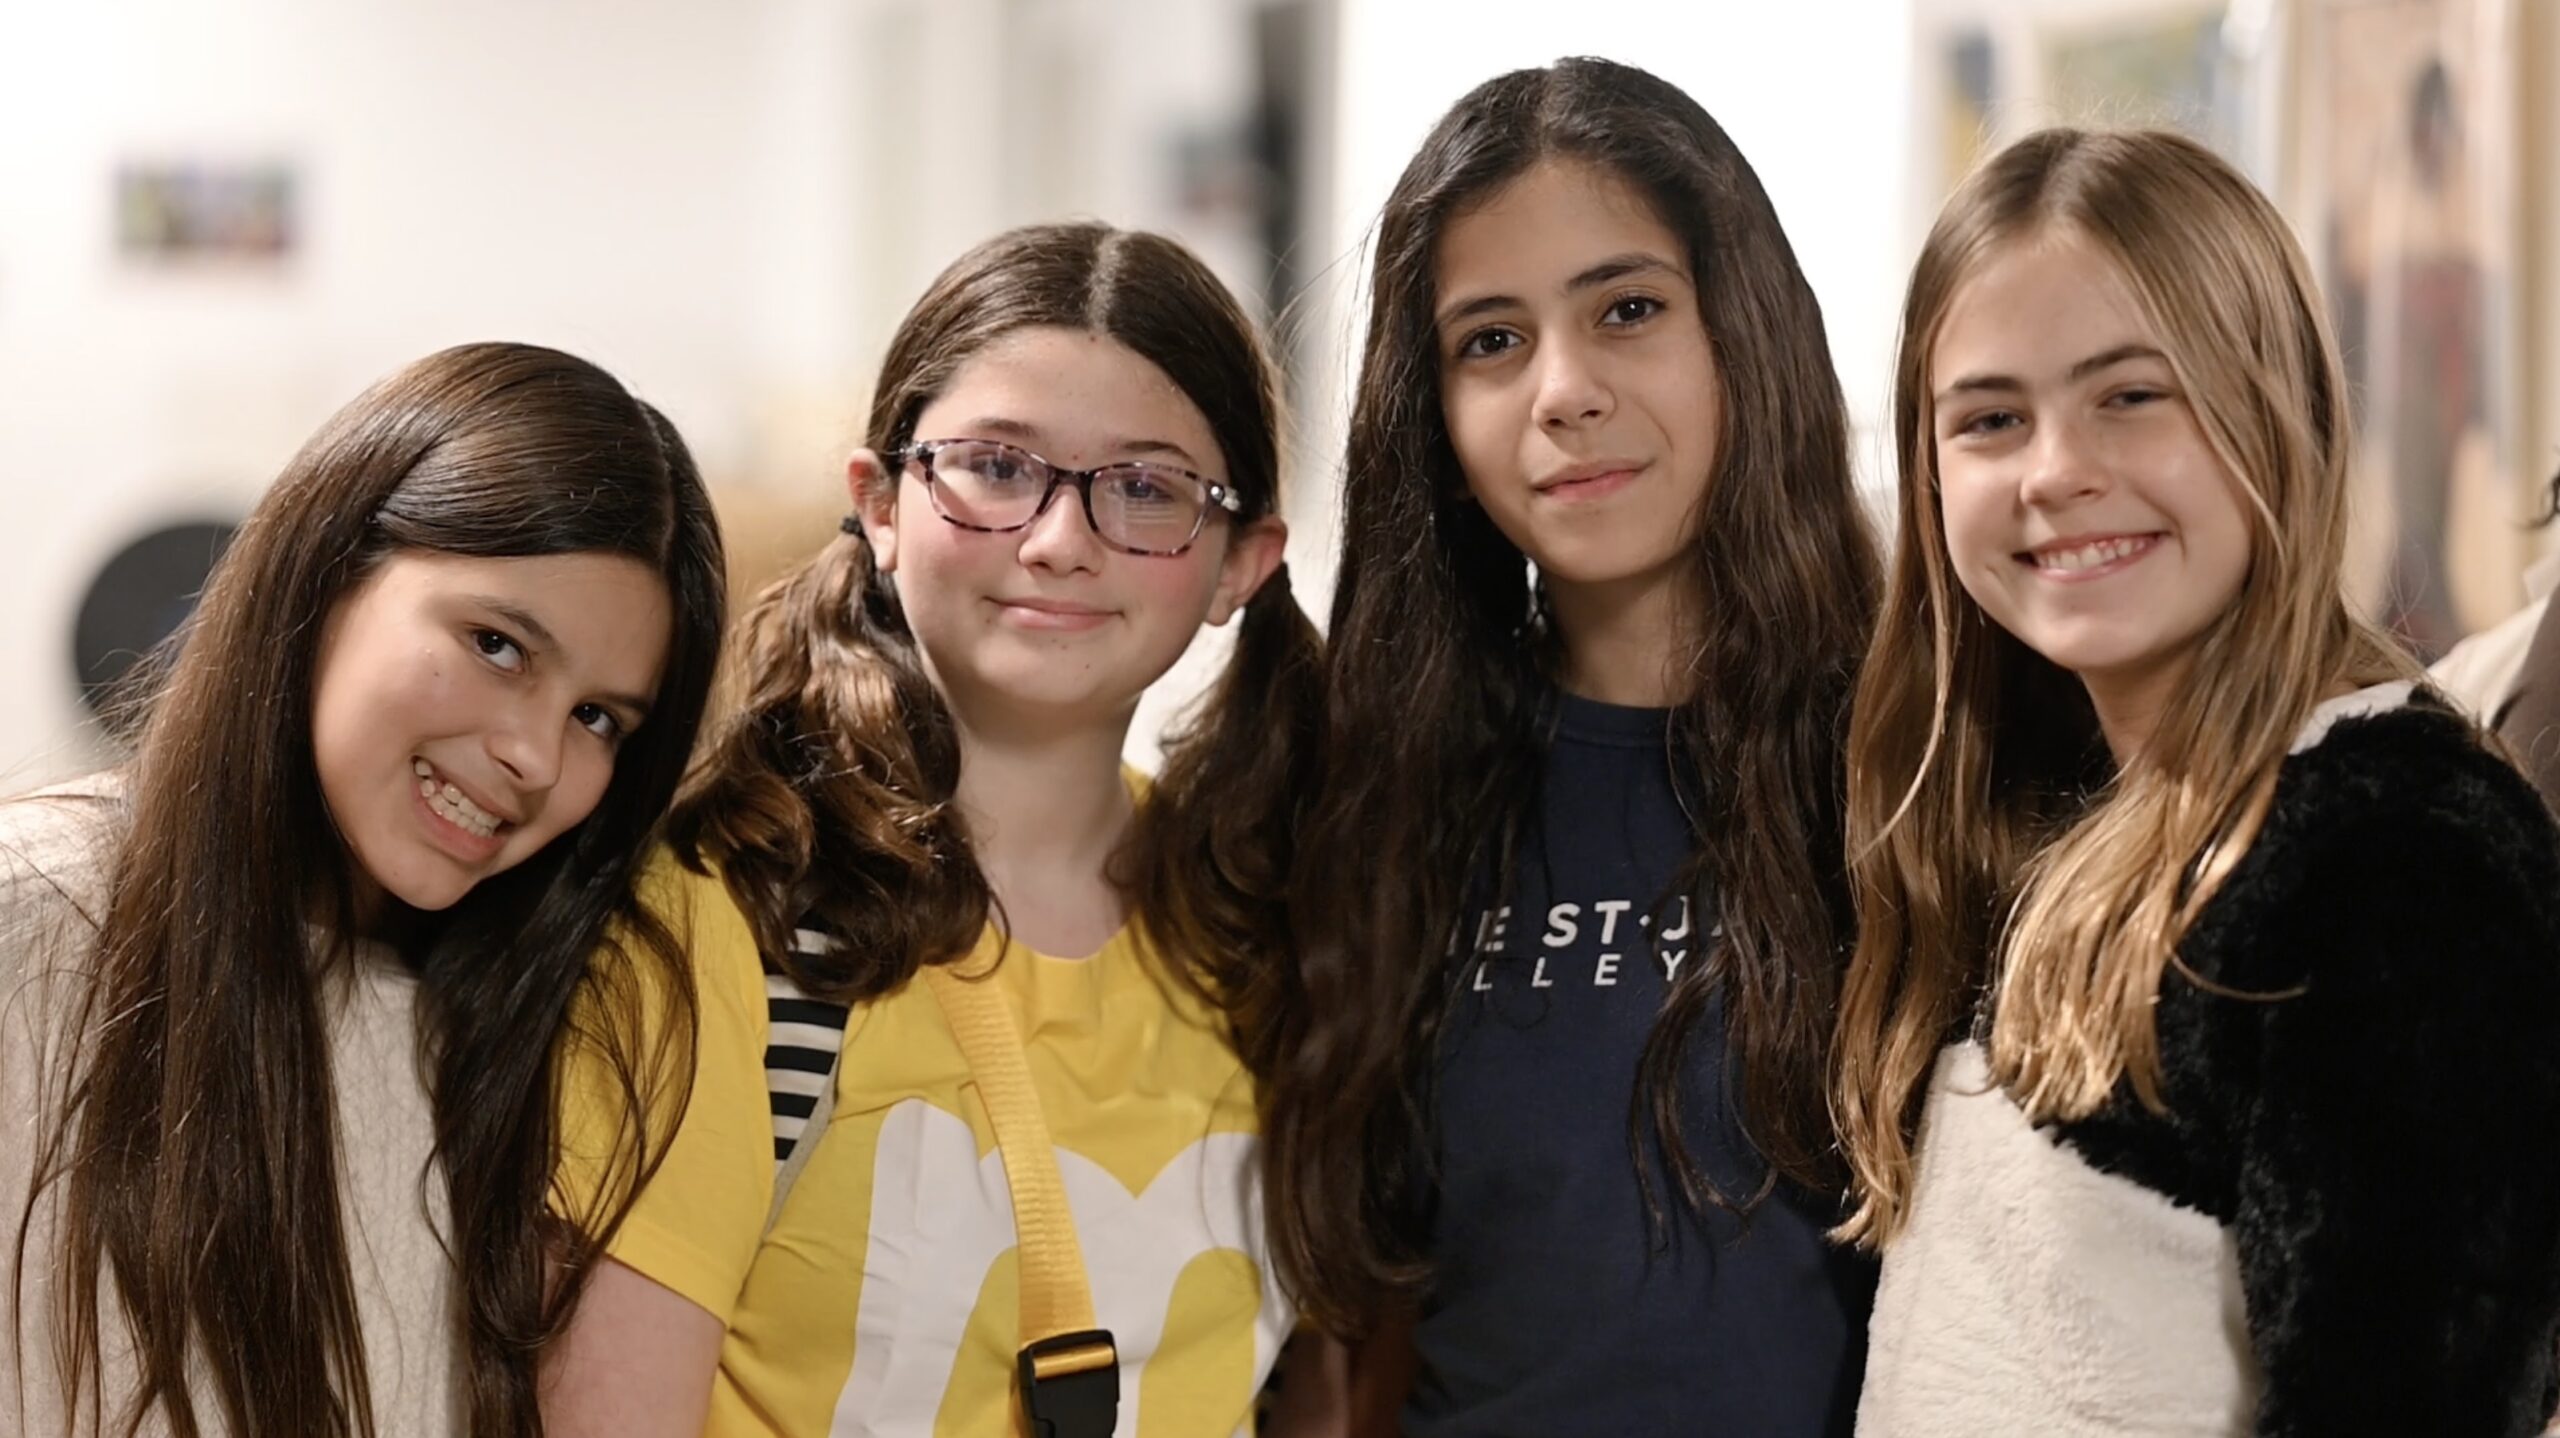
(452, 805)
(2087, 556)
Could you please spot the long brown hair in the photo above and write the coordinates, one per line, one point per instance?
(1984, 822)
(197, 1152)
(830, 793)
(1432, 688)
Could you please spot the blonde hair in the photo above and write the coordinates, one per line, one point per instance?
(1989, 847)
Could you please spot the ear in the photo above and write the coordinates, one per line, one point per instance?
(874, 492)
(1252, 553)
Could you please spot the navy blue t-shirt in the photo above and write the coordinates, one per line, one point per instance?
(1556, 1305)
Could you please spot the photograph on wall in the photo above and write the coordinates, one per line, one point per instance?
(194, 211)
(1971, 91)
(2406, 200)
(1996, 69)
(2164, 68)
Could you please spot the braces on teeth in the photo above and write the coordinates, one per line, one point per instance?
(451, 804)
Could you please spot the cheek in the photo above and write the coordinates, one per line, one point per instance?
(1174, 594)
(1684, 392)
(1973, 524)
(946, 560)
(371, 699)
(589, 774)
(1960, 516)
(1479, 433)
(584, 779)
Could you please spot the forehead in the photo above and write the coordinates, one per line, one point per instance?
(1554, 221)
(608, 615)
(1077, 397)
(2038, 302)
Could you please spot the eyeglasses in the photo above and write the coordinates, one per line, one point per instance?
(1136, 508)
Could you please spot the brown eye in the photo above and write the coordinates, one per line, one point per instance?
(1634, 310)
(498, 649)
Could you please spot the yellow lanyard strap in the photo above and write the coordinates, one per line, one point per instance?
(1060, 1336)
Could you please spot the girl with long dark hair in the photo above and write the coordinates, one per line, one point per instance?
(1569, 903)
(281, 998)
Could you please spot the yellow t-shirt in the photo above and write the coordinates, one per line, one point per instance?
(883, 1301)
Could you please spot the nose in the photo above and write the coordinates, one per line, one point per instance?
(527, 744)
(1571, 389)
(1061, 538)
(2062, 465)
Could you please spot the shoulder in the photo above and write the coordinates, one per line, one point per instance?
(705, 920)
(57, 861)
(2398, 841)
(2480, 673)
(2417, 781)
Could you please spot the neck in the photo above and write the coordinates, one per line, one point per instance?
(1624, 641)
(1045, 811)
(2129, 708)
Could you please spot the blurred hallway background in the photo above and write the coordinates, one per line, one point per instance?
(218, 221)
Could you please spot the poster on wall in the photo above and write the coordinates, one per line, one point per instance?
(2406, 199)
(194, 211)
(2168, 67)
(1997, 69)
(1969, 97)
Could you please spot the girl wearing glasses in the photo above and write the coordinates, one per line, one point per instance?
(1550, 1112)
(1072, 468)
(2196, 1060)
(281, 998)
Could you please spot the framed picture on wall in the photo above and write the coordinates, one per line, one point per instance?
(2407, 174)
(1989, 71)
(197, 211)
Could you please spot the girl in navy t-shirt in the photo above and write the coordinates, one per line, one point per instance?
(1569, 903)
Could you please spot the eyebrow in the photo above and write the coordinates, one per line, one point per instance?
(542, 638)
(1014, 431)
(2104, 359)
(1608, 271)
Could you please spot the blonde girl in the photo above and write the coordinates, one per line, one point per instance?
(2201, 1015)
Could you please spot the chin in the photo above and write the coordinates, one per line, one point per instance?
(430, 884)
(430, 898)
(1594, 566)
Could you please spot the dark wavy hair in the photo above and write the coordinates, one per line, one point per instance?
(197, 1151)
(830, 792)
(1434, 689)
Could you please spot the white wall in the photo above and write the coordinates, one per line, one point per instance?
(577, 172)
(729, 205)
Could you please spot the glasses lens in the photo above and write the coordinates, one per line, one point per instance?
(989, 484)
(1143, 507)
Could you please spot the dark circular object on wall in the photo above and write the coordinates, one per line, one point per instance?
(139, 597)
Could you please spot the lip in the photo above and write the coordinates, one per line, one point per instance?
(451, 837)
(2147, 542)
(1060, 615)
(489, 806)
(1593, 479)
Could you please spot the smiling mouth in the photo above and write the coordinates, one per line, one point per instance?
(447, 802)
(1589, 485)
(1046, 615)
(2089, 557)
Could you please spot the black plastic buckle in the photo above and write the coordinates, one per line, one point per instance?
(1071, 1384)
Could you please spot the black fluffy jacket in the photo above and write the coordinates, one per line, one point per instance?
(2384, 1144)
